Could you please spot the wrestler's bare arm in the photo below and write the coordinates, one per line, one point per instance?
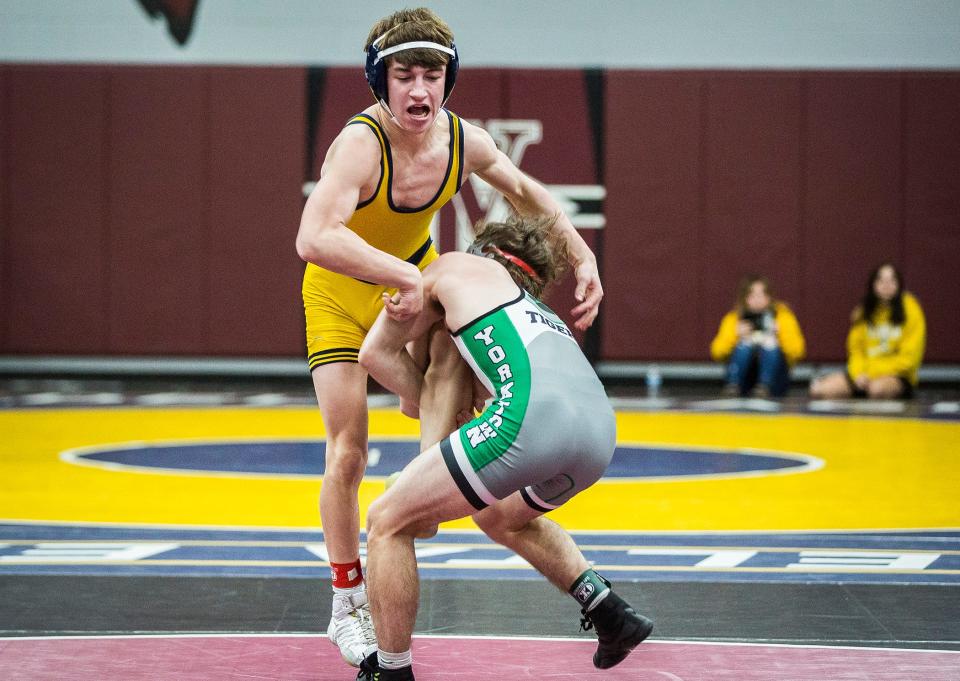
(529, 197)
(457, 288)
(324, 238)
(384, 351)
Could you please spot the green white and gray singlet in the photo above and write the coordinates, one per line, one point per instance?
(549, 430)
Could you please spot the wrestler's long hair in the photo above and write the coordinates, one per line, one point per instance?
(531, 239)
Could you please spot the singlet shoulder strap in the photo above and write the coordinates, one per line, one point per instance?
(456, 133)
(374, 125)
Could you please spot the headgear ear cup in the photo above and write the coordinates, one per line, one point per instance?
(376, 72)
(453, 66)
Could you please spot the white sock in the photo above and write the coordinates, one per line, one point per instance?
(394, 660)
(350, 590)
(343, 599)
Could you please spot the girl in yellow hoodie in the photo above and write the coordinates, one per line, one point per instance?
(759, 340)
(885, 344)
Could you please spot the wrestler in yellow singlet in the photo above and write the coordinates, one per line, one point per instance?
(340, 309)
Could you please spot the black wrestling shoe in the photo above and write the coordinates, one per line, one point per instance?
(370, 671)
(619, 627)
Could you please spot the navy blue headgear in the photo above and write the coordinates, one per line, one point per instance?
(376, 67)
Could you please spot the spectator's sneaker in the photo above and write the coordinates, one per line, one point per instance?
(761, 391)
(619, 628)
(351, 627)
(370, 671)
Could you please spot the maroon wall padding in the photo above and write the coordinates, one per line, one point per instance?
(209, 163)
(702, 174)
(56, 244)
(480, 95)
(853, 203)
(256, 161)
(653, 139)
(565, 155)
(344, 94)
(153, 210)
(808, 178)
(4, 212)
(751, 190)
(558, 99)
(931, 244)
(160, 246)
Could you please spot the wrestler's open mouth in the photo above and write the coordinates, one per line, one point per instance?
(419, 110)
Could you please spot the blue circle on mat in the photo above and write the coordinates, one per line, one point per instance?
(306, 458)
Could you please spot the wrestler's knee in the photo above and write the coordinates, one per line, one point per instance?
(385, 519)
(497, 525)
(426, 530)
(378, 519)
(345, 462)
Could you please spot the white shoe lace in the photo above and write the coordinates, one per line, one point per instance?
(367, 631)
(352, 627)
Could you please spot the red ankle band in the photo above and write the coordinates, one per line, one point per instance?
(346, 575)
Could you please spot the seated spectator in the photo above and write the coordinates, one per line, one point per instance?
(885, 344)
(759, 340)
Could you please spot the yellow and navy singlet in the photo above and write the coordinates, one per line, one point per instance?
(339, 309)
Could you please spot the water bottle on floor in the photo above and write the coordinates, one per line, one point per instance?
(654, 381)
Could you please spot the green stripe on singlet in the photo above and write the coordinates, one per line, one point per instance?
(499, 352)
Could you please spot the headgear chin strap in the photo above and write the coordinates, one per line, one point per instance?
(376, 67)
